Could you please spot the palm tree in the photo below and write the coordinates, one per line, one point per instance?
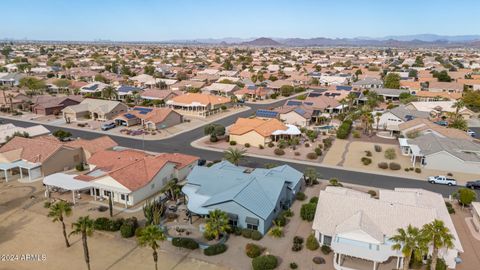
(439, 236)
(84, 226)
(234, 155)
(458, 105)
(217, 223)
(310, 175)
(108, 92)
(410, 242)
(351, 97)
(149, 236)
(57, 212)
(378, 115)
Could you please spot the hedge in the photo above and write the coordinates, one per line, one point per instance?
(312, 243)
(300, 196)
(344, 129)
(106, 224)
(252, 234)
(185, 243)
(128, 227)
(265, 262)
(307, 212)
(215, 249)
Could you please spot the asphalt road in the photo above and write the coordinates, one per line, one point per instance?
(181, 144)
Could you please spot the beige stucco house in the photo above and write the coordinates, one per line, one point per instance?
(97, 109)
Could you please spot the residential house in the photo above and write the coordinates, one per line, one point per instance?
(222, 89)
(439, 108)
(368, 83)
(150, 118)
(391, 119)
(420, 126)
(127, 91)
(252, 198)
(258, 132)
(10, 79)
(358, 227)
(93, 88)
(96, 109)
(48, 105)
(9, 130)
(197, 104)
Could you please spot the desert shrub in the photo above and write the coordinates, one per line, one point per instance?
(271, 144)
(326, 249)
(314, 199)
(106, 224)
(411, 168)
(247, 145)
(312, 243)
(279, 152)
(372, 193)
(327, 143)
(418, 170)
(260, 146)
(450, 208)
(213, 138)
(127, 230)
(293, 265)
(318, 151)
(80, 167)
(247, 233)
(390, 154)
(287, 213)
(300, 196)
(406, 169)
(383, 165)
(307, 212)
(256, 235)
(356, 134)
(281, 220)
(306, 145)
(312, 155)
(233, 143)
(378, 148)
(298, 240)
(366, 160)
(449, 174)
(394, 166)
(344, 129)
(265, 262)
(215, 249)
(297, 154)
(187, 243)
(253, 250)
(297, 247)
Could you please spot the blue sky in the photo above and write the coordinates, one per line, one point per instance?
(150, 20)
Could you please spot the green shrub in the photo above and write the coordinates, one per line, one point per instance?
(312, 155)
(271, 144)
(356, 134)
(293, 265)
(279, 152)
(327, 142)
(256, 235)
(418, 170)
(314, 200)
(300, 196)
(138, 231)
(215, 249)
(298, 240)
(450, 208)
(287, 213)
(394, 166)
(383, 165)
(247, 233)
(372, 193)
(106, 224)
(233, 143)
(260, 146)
(281, 220)
(265, 262)
(326, 249)
(366, 161)
(247, 145)
(378, 148)
(390, 154)
(368, 153)
(253, 250)
(80, 167)
(318, 151)
(344, 129)
(213, 138)
(297, 247)
(307, 212)
(185, 243)
(312, 243)
(127, 230)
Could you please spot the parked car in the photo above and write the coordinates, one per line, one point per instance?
(471, 132)
(108, 126)
(473, 184)
(442, 123)
(443, 180)
(67, 139)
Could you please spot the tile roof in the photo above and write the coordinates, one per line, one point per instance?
(196, 98)
(262, 127)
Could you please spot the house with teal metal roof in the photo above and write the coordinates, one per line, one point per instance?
(252, 198)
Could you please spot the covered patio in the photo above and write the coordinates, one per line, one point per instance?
(411, 150)
(31, 171)
(65, 182)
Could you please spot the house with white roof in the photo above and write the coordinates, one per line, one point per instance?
(358, 227)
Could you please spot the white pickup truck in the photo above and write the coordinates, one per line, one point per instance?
(443, 180)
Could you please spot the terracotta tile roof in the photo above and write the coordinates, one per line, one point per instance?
(203, 99)
(112, 160)
(262, 127)
(95, 145)
(158, 94)
(35, 150)
(156, 115)
(181, 159)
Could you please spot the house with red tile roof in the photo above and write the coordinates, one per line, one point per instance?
(33, 158)
(131, 176)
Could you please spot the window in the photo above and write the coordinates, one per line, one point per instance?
(106, 193)
(327, 240)
(233, 223)
(124, 197)
(252, 227)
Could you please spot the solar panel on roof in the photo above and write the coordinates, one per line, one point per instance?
(129, 116)
(313, 94)
(266, 113)
(344, 87)
(143, 110)
(300, 111)
(308, 103)
(294, 103)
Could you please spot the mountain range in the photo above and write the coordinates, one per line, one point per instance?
(393, 41)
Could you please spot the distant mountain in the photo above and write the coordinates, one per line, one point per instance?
(433, 38)
(262, 42)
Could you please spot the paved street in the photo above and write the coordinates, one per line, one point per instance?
(181, 143)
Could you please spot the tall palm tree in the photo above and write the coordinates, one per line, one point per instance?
(217, 223)
(108, 92)
(378, 115)
(410, 242)
(234, 155)
(458, 105)
(84, 226)
(351, 97)
(439, 236)
(149, 236)
(58, 211)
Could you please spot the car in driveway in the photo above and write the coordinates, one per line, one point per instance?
(473, 184)
(471, 132)
(107, 126)
(442, 180)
